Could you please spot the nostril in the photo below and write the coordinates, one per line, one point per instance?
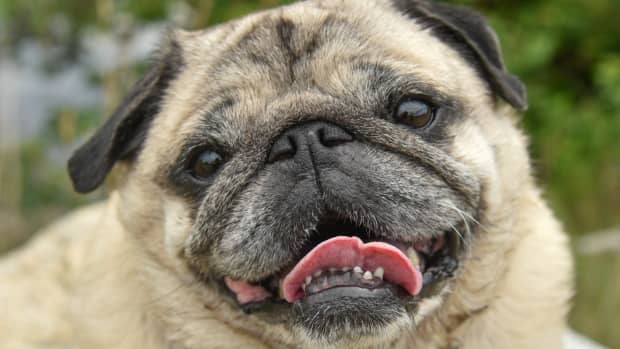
(284, 148)
(331, 136)
(294, 141)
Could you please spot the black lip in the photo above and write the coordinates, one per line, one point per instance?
(339, 278)
(335, 293)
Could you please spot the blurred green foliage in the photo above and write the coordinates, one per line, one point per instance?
(567, 52)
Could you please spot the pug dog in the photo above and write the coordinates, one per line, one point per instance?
(328, 174)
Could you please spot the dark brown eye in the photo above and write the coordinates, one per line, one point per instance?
(206, 164)
(415, 113)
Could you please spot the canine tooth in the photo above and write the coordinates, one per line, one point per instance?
(281, 288)
(367, 275)
(346, 269)
(413, 257)
(332, 270)
(379, 273)
(308, 279)
(318, 273)
(358, 269)
(303, 287)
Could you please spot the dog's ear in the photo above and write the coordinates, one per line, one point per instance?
(122, 134)
(469, 33)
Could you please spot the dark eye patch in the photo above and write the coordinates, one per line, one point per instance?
(203, 153)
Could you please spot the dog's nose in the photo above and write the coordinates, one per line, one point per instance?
(315, 134)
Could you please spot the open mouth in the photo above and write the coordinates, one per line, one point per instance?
(344, 257)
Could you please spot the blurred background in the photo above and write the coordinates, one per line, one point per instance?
(64, 65)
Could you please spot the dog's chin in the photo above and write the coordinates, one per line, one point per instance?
(350, 315)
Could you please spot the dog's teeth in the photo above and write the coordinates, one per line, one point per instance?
(318, 273)
(346, 269)
(358, 269)
(308, 279)
(379, 273)
(281, 288)
(367, 275)
(332, 270)
(303, 287)
(413, 257)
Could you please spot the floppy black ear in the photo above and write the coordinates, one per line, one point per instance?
(469, 33)
(122, 135)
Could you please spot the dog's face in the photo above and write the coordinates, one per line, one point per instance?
(320, 167)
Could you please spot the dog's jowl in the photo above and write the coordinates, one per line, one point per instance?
(344, 174)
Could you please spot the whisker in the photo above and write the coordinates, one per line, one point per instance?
(466, 217)
(458, 233)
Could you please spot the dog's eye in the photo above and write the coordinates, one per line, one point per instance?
(206, 164)
(415, 113)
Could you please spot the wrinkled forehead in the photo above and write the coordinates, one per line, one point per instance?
(307, 53)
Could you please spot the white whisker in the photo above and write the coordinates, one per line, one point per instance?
(465, 217)
(461, 237)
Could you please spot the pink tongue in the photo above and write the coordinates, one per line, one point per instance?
(246, 292)
(343, 251)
